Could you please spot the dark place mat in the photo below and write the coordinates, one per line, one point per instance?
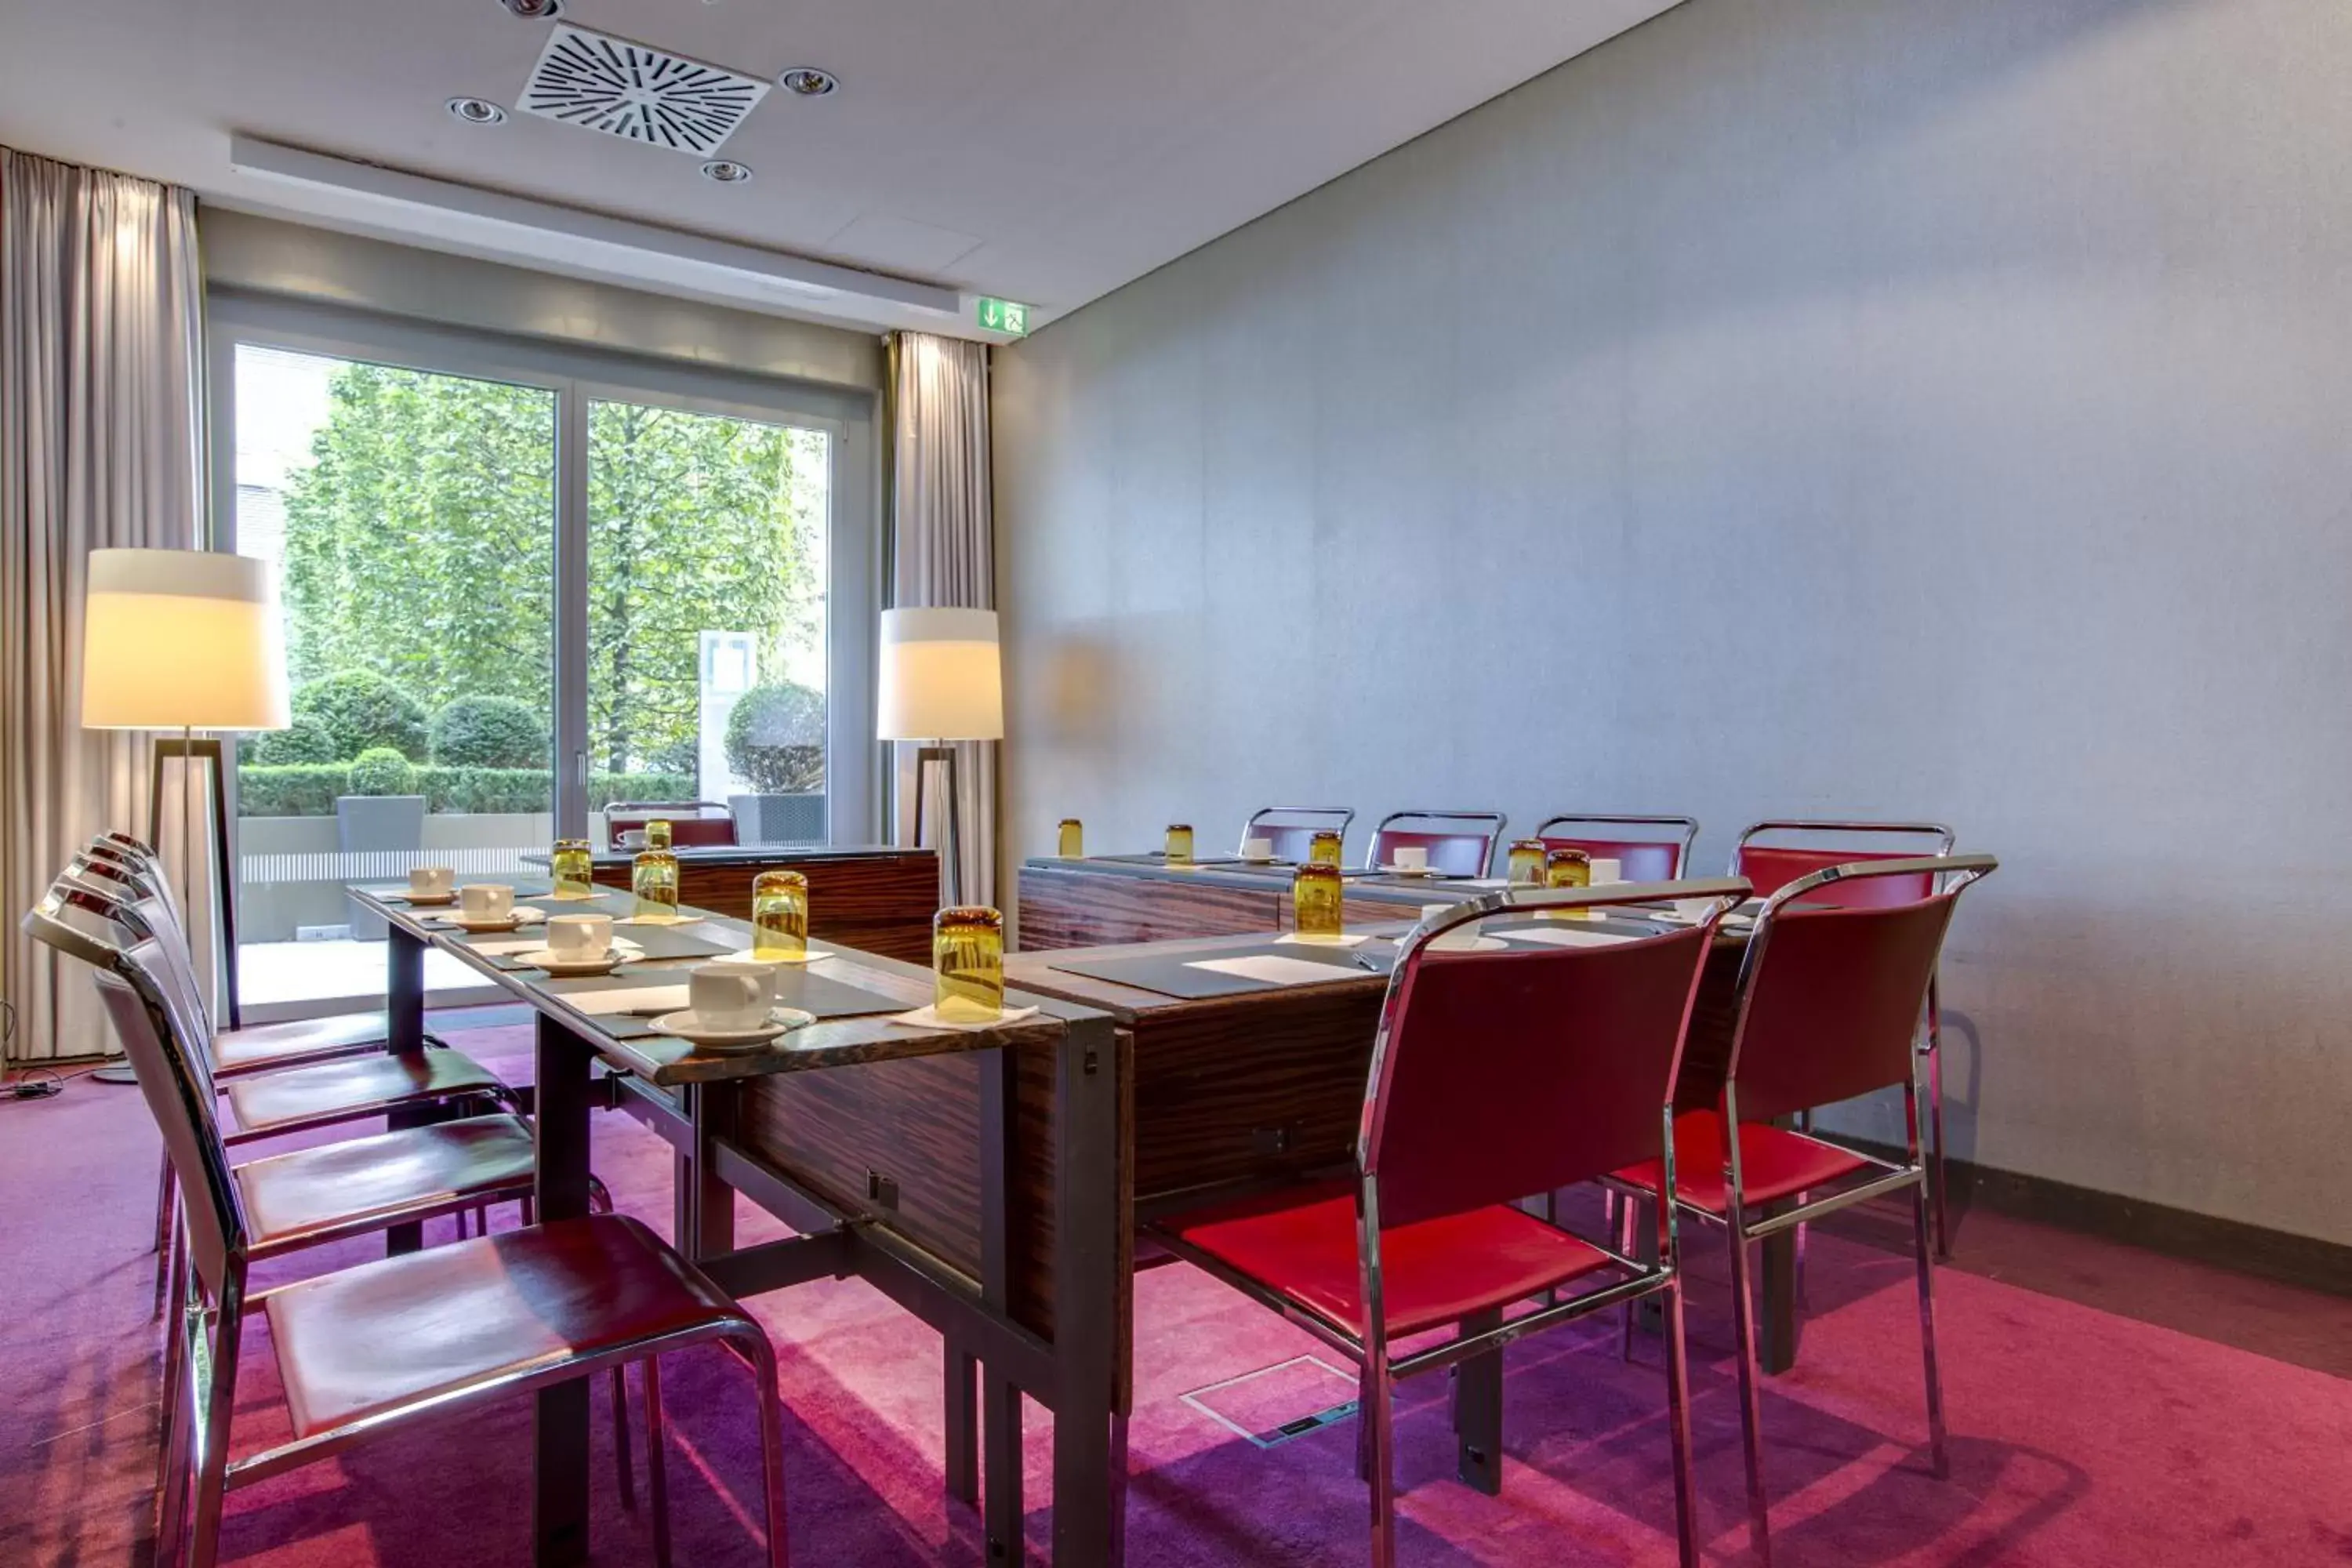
(795, 988)
(1174, 976)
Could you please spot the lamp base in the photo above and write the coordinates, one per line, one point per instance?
(115, 1072)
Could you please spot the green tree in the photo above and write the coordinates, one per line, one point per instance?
(419, 544)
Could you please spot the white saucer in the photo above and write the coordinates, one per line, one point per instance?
(545, 958)
(681, 1026)
(520, 915)
(1411, 871)
(430, 901)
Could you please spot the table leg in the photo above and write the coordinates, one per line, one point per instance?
(560, 1423)
(1000, 1512)
(1087, 1204)
(1777, 1335)
(963, 1423)
(712, 1203)
(404, 1016)
(1478, 1412)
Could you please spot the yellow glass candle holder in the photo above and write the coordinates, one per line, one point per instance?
(657, 833)
(573, 865)
(1323, 850)
(653, 876)
(1317, 900)
(1527, 863)
(780, 913)
(968, 964)
(1072, 839)
(1180, 844)
(1567, 869)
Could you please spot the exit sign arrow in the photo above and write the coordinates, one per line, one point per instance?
(1003, 316)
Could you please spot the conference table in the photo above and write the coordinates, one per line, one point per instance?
(1266, 1087)
(978, 1178)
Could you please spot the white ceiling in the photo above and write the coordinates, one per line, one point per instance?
(1045, 150)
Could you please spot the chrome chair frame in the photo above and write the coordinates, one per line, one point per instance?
(1931, 1038)
(1497, 820)
(1376, 1367)
(1950, 874)
(198, 1470)
(1687, 830)
(1340, 817)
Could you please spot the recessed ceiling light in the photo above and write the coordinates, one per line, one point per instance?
(534, 10)
(477, 112)
(726, 171)
(807, 81)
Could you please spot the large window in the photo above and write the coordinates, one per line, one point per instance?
(523, 585)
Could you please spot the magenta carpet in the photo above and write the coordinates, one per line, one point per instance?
(2079, 1436)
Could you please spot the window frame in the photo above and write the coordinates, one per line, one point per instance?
(576, 375)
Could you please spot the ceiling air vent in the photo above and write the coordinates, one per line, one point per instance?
(628, 89)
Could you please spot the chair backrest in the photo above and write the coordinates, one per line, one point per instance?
(1646, 848)
(1460, 843)
(689, 828)
(121, 850)
(1292, 829)
(126, 960)
(1772, 867)
(1831, 992)
(1505, 1073)
(155, 911)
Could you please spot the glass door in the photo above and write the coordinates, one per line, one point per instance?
(412, 518)
(706, 626)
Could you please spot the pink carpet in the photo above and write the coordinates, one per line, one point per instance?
(2079, 1436)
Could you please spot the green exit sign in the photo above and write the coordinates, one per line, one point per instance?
(1004, 316)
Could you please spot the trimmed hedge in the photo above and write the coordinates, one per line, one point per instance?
(349, 713)
(309, 790)
(488, 731)
(380, 770)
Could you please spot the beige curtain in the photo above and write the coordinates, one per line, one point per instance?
(944, 547)
(100, 331)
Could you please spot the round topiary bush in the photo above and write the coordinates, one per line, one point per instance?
(489, 733)
(303, 744)
(382, 770)
(775, 739)
(358, 710)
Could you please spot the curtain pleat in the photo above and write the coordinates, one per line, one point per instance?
(944, 542)
(100, 400)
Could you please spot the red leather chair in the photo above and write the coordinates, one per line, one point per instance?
(1830, 993)
(689, 828)
(1658, 855)
(1495, 1075)
(356, 1357)
(1772, 865)
(1292, 829)
(1465, 849)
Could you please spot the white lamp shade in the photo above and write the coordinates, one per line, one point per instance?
(940, 678)
(181, 639)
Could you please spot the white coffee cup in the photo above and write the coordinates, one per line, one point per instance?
(1257, 848)
(580, 936)
(433, 882)
(487, 901)
(1461, 938)
(1411, 857)
(759, 969)
(726, 996)
(1607, 871)
(633, 838)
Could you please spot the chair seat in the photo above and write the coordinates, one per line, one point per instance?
(304, 1039)
(357, 1086)
(390, 1332)
(1774, 1164)
(1301, 1243)
(306, 1196)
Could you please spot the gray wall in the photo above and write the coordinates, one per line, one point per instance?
(1893, 408)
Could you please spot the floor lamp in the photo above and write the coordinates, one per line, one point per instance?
(186, 640)
(940, 682)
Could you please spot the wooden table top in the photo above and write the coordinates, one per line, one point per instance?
(660, 1060)
(1271, 877)
(754, 854)
(1037, 972)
